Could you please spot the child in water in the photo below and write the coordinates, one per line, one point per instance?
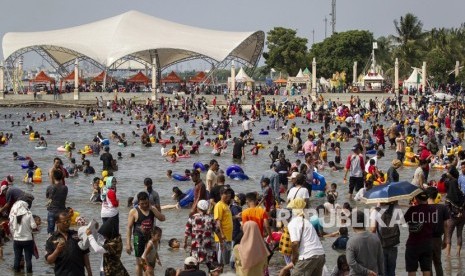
(150, 256)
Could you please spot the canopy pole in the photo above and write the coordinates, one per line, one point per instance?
(2, 84)
(154, 79)
(104, 80)
(314, 77)
(423, 76)
(76, 80)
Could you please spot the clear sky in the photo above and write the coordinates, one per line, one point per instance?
(240, 15)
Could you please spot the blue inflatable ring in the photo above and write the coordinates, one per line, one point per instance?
(265, 132)
(238, 176)
(373, 151)
(234, 168)
(179, 177)
(105, 142)
(319, 182)
(188, 199)
(199, 165)
(25, 166)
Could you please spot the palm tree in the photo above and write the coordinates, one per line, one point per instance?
(408, 28)
(410, 49)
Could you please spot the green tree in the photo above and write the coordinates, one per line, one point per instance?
(409, 39)
(338, 52)
(286, 51)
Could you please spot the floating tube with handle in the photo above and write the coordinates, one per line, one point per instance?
(319, 182)
(234, 168)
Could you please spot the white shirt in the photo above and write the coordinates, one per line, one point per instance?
(163, 151)
(367, 165)
(23, 231)
(246, 125)
(310, 244)
(357, 118)
(355, 169)
(360, 194)
(297, 192)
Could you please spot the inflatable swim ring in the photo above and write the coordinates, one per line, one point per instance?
(105, 142)
(74, 216)
(265, 132)
(439, 167)
(373, 151)
(199, 166)
(260, 146)
(319, 182)
(238, 176)
(188, 199)
(61, 149)
(152, 140)
(410, 163)
(40, 148)
(24, 166)
(179, 177)
(234, 168)
(164, 141)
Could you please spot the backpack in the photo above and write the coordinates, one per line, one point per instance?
(389, 236)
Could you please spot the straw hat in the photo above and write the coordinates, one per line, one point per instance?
(396, 163)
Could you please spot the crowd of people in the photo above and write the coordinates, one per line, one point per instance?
(244, 232)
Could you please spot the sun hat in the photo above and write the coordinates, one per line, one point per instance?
(190, 261)
(396, 163)
(203, 205)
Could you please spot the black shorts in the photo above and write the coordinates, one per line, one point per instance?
(355, 183)
(283, 179)
(422, 253)
(337, 159)
(139, 245)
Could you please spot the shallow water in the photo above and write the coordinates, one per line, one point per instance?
(149, 163)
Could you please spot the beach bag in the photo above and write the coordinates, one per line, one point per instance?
(285, 245)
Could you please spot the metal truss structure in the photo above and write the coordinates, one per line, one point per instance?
(145, 58)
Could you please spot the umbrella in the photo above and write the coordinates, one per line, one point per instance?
(391, 192)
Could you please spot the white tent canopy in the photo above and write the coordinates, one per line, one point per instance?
(243, 77)
(300, 74)
(414, 80)
(137, 36)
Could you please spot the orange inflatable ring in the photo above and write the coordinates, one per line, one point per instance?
(355, 89)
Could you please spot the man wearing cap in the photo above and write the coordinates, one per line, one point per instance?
(355, 165)
(419, 246)
(107, 159)
(308, 255)
(273, 176)
(298, 191)
(392, 174)
(200, 227)
(191, 268)
(426, 155)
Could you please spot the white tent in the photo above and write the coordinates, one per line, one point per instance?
(324, 82)
(136, 36)
(414, 80)
(300, 74)
(243, 77)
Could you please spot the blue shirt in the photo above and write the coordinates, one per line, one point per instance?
(462, 183)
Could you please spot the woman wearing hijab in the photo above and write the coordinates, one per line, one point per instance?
(111, 249)
(21, 225)
(109, 201)
(251, 254)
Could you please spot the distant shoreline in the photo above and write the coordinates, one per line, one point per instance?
(87, 99)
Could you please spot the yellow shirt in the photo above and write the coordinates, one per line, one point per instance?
(222, 213)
